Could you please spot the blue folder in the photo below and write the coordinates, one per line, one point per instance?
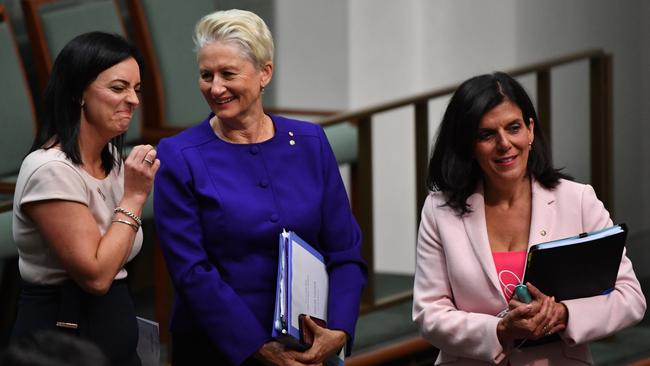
(289, 298)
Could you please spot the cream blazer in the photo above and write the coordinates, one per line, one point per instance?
(457, 294)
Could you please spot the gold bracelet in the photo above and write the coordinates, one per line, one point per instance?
(130, 214)
(134, 226)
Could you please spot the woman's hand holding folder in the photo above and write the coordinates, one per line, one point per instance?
(542, 317)
(327, 342)
(275, 353)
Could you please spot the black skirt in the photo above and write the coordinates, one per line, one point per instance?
(109, 321)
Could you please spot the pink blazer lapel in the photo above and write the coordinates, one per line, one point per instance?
(476, 230)
(542, 217)
(542, 225)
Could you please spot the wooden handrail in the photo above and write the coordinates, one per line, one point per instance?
(6, 206)
(387, 301)
(641, 362)
(443, 91)
(300, 111)
(600, 66)
(7, 187)
(393, 352)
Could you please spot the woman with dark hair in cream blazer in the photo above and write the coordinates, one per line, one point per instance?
(495, 193)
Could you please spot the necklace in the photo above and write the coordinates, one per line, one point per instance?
(99, 190)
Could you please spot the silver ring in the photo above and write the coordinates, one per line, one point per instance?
(148, 161)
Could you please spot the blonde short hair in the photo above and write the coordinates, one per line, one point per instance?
(238, 26)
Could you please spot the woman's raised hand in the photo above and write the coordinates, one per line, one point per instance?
(140, 167)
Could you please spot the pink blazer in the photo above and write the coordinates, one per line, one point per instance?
(457, 295)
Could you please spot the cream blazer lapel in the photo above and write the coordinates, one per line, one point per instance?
(543, 215)
(476, 229)
(542, 225)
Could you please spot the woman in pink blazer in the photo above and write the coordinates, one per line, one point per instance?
(495, 193)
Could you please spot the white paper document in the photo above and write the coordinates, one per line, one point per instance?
(309, 284)
(302, 287)
(148, 342)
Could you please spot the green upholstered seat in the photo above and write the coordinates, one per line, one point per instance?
(63, 20)
(17, 122)
(343, 138)
(7, 246)
(16, 109)
(174, 54)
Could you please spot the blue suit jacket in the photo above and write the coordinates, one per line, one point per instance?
(219, 209)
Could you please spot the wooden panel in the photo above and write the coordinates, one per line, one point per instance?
(153, 95)
(544, 104)
(601, 128)
(43, 61)
(421, 156)
(364, 207)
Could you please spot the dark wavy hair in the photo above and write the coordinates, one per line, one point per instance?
(452, 167)
(75, 68)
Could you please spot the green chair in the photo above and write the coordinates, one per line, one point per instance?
(172, 96)
(17, 116)
(17, 122)
(53, 23)
(344, 140)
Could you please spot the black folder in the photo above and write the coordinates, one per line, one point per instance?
(581, 266)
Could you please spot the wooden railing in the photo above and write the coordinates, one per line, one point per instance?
(600, 66)
(400, 352)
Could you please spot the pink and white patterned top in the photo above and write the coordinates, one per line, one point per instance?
(510, 270)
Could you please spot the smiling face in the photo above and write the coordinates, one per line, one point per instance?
(502, 144)
(230, 82)
(111, 99)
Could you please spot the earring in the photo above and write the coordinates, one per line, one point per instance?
(530, 145)
(262, 89)
(83, 103)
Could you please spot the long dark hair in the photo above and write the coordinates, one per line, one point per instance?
(452, 167)
(77, 66)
